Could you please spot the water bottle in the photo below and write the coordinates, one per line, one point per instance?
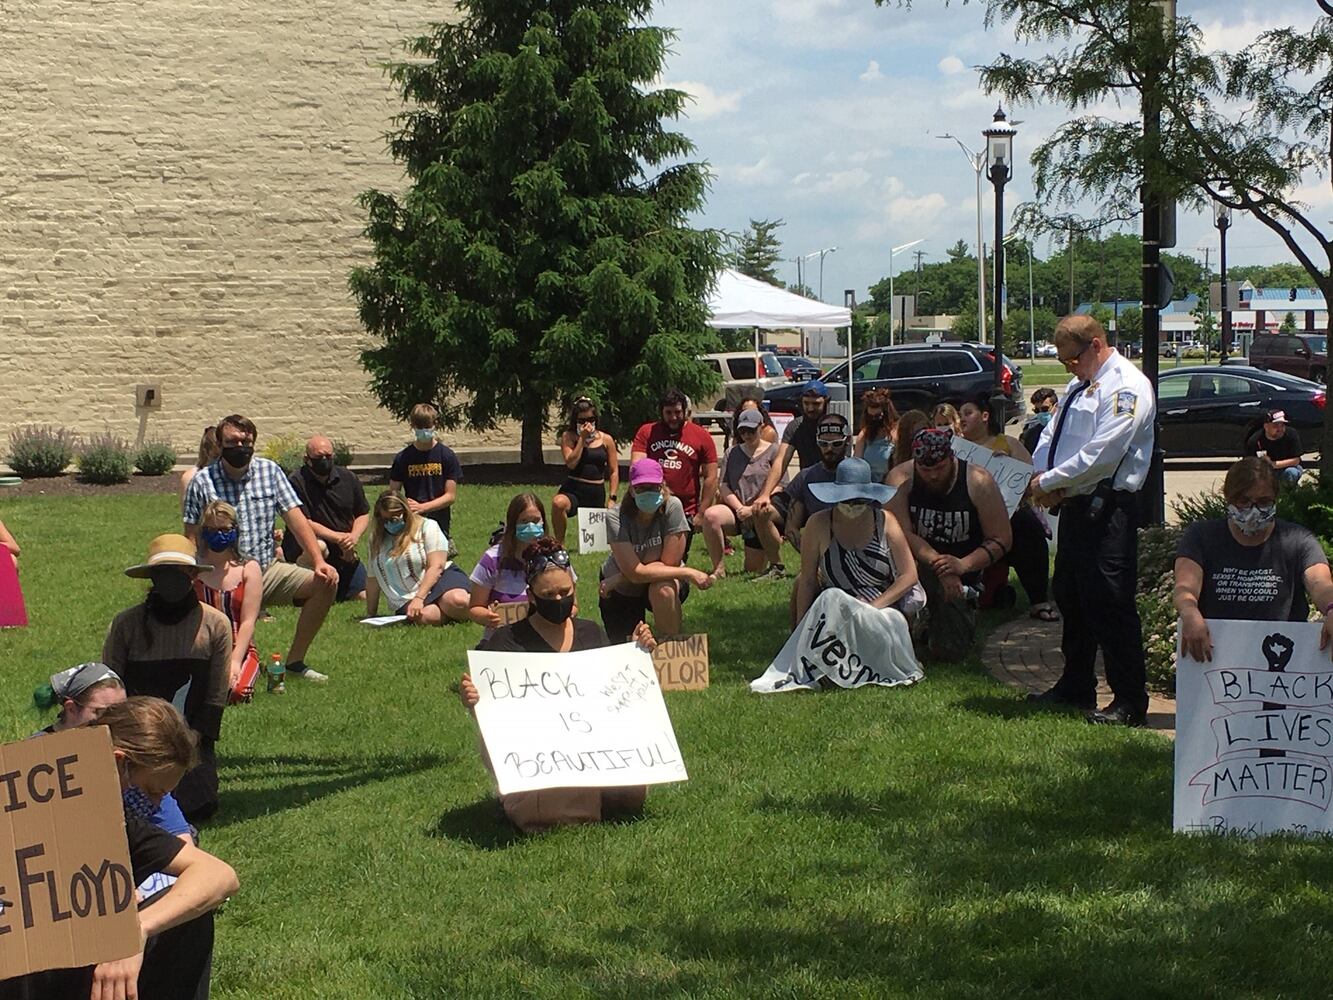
(277, 675)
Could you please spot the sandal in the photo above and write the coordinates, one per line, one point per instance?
(1044, 613)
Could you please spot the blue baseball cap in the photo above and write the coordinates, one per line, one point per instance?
(815, 388)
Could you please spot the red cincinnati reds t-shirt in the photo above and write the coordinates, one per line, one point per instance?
(681, 456)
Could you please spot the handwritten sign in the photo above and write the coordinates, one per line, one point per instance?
(591, 719)
(1010, 474)
(682, 663)
(1254, 736)
(592, 530)
(66, 889)
(511, 612)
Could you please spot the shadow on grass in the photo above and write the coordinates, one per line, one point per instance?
(256, 785)
(479, 824)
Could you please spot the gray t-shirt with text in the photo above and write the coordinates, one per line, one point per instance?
(1252, 582)
(647, 539)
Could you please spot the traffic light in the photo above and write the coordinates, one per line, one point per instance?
(1291, 295)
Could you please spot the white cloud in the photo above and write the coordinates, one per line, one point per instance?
(872, 73)
(704, 102)
(761, 171)
(839, 182)
(951, 65)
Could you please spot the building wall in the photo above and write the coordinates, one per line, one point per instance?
(177, 208)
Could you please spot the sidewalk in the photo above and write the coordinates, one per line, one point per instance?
(1025, 654)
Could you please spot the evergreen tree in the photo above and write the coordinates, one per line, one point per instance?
(759, 251)
(541, 249)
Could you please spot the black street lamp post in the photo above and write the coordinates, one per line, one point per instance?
(999, 158)
(1222, 220)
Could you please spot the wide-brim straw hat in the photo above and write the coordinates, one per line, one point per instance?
(167, 551)
(852, 481)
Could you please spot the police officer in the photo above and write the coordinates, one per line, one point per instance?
(1092, 459)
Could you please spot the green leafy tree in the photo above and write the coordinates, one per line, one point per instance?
(758, 251)
(1120, 52)
(1269, 275)
(542, 246)
(802, 289)
(1288, 324)
(1130, 323)
(1205, 325)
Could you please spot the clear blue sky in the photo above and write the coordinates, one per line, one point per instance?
(824, 113)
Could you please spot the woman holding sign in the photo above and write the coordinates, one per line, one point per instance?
(1030, 557)
(552, 628)
(1250, 566)
(409, 564)
(593, 461)
(498, 576)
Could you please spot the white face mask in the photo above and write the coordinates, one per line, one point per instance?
(1252, 520)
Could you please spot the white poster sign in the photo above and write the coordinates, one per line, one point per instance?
(592, 530)
(1010, 474)
(591, 719)
(780, 422)
(1254, 732)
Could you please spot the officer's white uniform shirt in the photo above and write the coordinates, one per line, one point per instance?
(1110, 420)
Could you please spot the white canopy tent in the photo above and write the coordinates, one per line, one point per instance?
(738, 300)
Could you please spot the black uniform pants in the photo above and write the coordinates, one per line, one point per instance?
(1096, 572)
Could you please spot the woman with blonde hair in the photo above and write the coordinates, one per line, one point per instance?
(946, 415)
(153, 747)
(209, 452)
(874, 441)
(409, 563)
(235, 586)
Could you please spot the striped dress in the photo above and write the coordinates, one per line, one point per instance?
(863, 572)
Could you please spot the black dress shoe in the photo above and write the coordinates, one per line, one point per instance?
(1055, 698)
(1119, 714)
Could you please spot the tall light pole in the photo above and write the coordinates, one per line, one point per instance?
(1222, 220)
(1000, 159)
(978, 161)
(1032, 319)
(815, 253)
(892, 251)
(821, 253)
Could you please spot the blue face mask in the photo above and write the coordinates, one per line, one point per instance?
(394, 527)
(425, 435)
(648, 502)
(1042, 418)
(529, 531)
(219, 541)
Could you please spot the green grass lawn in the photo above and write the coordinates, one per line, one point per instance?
(938, 841)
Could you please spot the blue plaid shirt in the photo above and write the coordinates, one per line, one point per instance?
(260, 496)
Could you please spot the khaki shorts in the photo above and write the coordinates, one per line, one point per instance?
(283, 582)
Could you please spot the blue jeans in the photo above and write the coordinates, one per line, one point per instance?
(1292, 474)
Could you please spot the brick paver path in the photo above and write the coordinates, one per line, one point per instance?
(1025, 654)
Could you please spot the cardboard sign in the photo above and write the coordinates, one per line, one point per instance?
(780, 422)
(512, 612)
(13, 612)
(592, 719)
(682, 663)
(1010, 474)
(592, 530)
(1254, 732)
(66, 884)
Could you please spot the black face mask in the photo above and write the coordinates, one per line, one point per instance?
(555, 610)
(320, 466)
(172, 596)
(238, 455)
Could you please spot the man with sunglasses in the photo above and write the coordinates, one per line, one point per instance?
(1092, 460)
(791, 505)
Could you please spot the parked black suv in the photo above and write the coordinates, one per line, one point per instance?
(918, 376)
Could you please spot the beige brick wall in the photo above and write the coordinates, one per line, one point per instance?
(177, 207)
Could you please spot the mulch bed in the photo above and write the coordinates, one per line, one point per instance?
(69, 485)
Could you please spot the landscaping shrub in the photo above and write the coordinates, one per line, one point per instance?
(1203, 506)
(343, 454)
(1311, 505)
(1157, 559)
(155, 458)
(288, 450)
(37, 452)
(105, 460)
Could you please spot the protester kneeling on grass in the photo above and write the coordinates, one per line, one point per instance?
(1249, 565)
(83, 694)
(552, 628)
(173, 647)
(855, 592)
(498, 576)
(235, 586)
(153, 747)
(410, 566)
(957, 525)
(644, 572)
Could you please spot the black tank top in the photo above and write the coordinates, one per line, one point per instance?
(593, 466)
(950, 522)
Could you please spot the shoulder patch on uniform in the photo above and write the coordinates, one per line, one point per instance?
(1126, 401)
